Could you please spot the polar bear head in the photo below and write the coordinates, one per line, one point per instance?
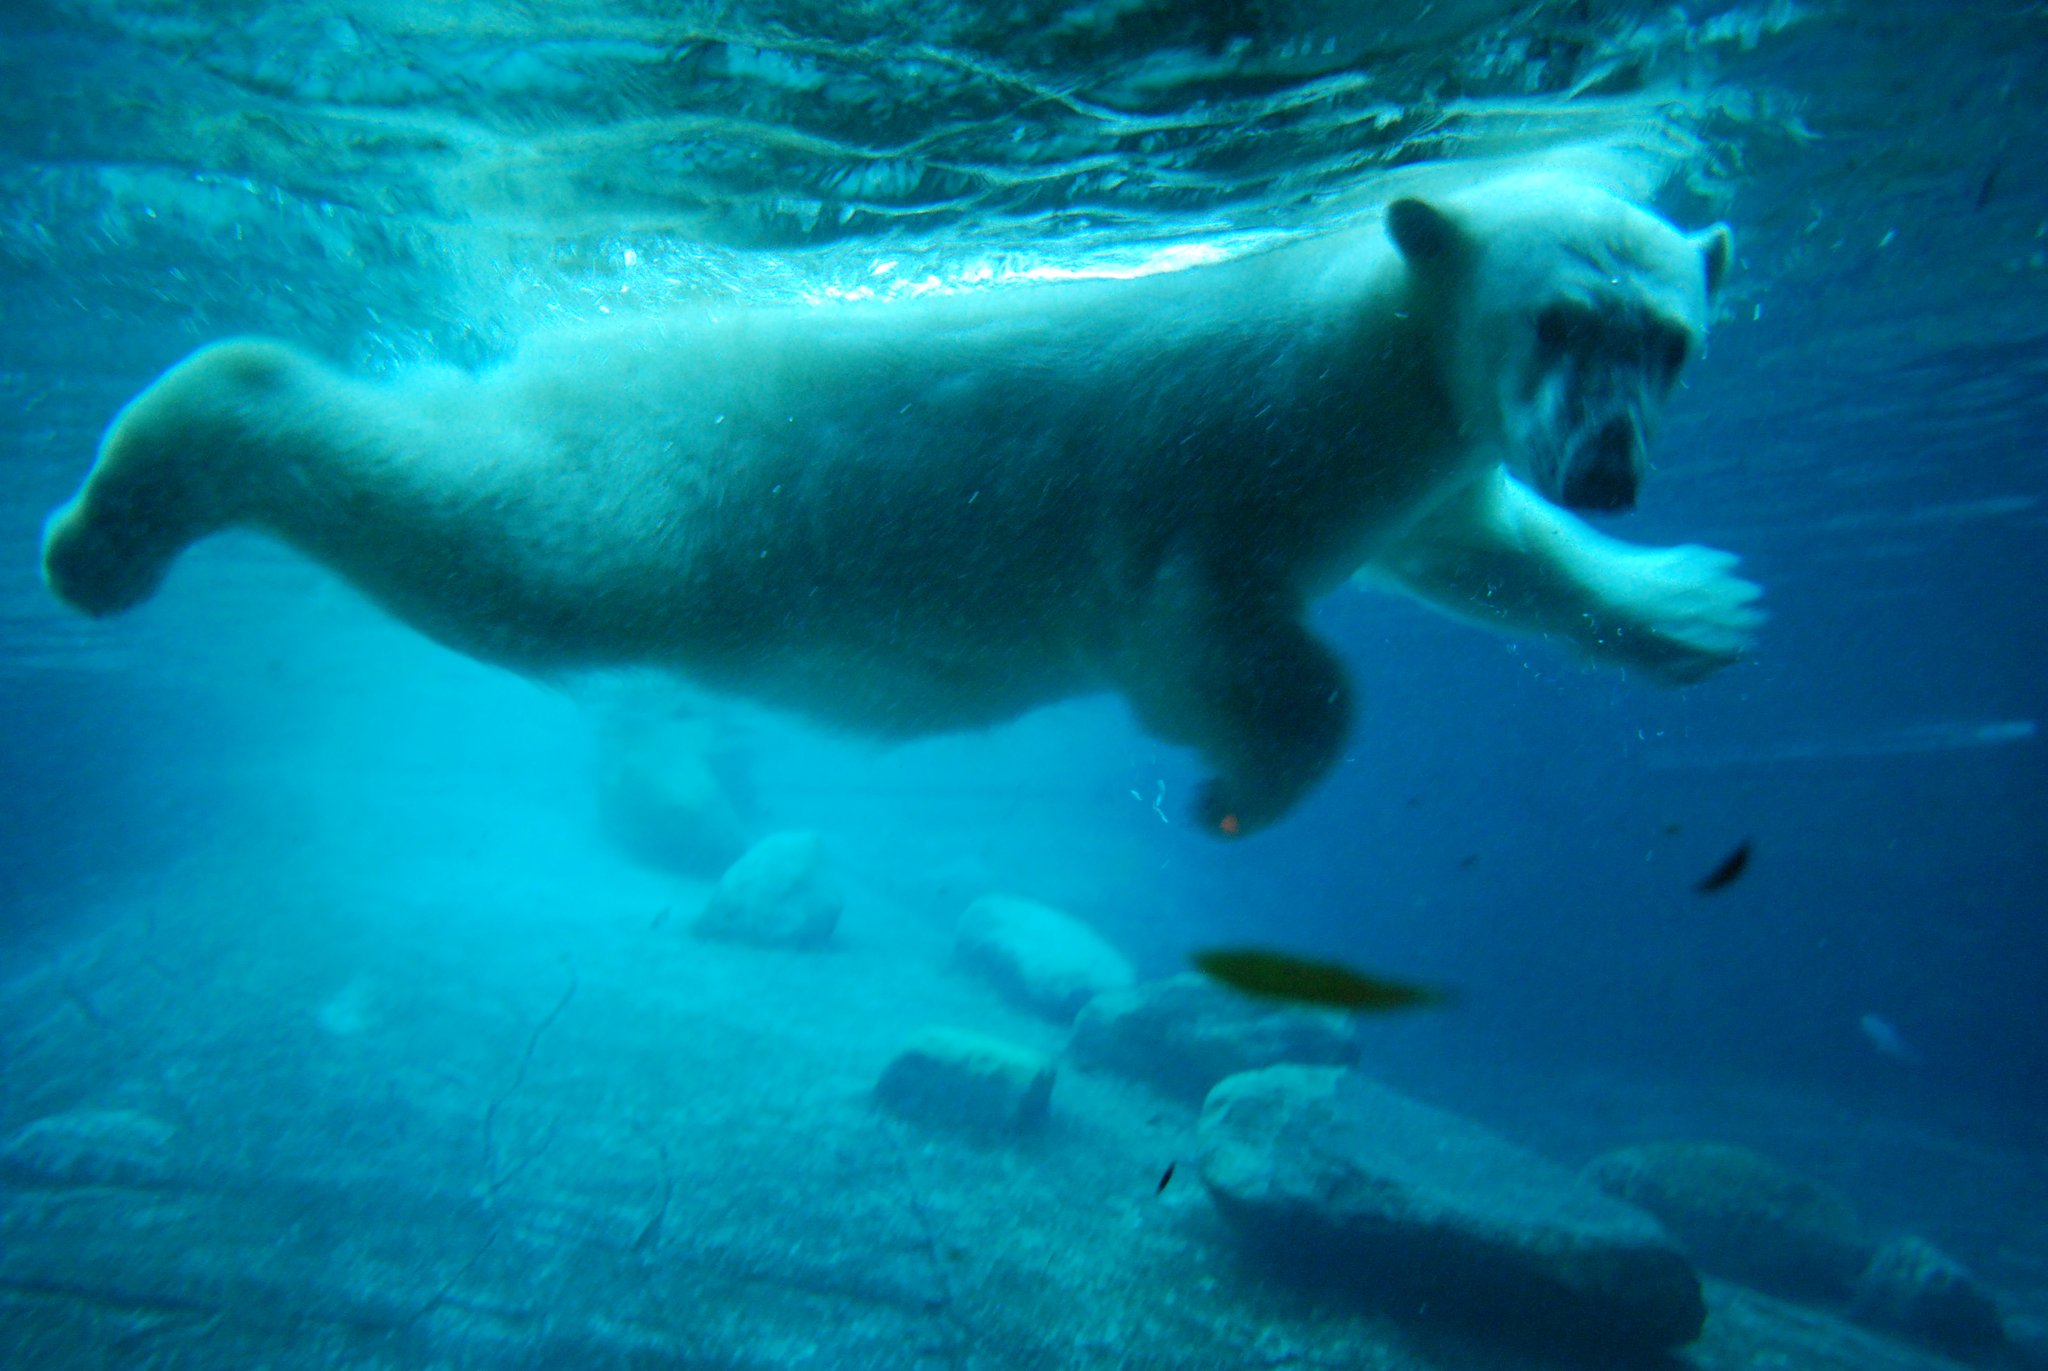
(1564, 316)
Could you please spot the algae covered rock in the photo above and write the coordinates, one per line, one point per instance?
(778, 894)
(1183, 1034)
(1346, 1183)
(1043, 958)
(959, 1079)
(1743, 1216)
(117, 1147)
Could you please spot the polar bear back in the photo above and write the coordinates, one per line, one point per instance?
(935, 479)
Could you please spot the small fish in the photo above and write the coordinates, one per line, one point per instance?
(1887, 1039)
(1724, 875)
(1299, 980)
(1165, 1178)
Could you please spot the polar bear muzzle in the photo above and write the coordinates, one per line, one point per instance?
(1605, 472)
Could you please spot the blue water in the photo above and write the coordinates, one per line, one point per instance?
(345, 911)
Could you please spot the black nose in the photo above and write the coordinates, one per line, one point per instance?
(1604, 475)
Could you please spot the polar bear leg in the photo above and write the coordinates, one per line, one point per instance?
(170, 471)
(1265, 702)
(1501, 555)
(419, 496)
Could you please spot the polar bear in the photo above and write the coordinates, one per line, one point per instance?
(912, 517)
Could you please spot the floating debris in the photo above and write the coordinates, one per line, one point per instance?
(1301, 980)
(1732, 866)
(1165, 1178)
(1988, 187)
(1887, 1039)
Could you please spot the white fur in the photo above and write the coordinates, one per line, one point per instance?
(941, 513)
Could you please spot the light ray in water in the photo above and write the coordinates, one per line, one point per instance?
(1955, 736)
(1953, 512)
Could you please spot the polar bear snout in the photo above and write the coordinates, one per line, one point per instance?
(1607, 470)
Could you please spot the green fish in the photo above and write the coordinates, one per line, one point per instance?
(1300, 980)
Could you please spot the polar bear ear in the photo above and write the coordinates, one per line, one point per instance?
(1717, 250)
(1425, 235)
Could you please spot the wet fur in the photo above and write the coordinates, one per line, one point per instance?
(939, 514)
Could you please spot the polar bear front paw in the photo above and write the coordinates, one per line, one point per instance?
(1684, 613)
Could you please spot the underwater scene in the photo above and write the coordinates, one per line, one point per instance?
(956, 686)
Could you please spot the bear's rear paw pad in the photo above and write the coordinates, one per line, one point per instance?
(95, 569)
(1216, 811)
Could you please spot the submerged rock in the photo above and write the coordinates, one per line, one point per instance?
(1349, 1185)
(1743, 1216)
(2027, 1333)
(661, 795)
(778, 895)
(1913, 1288)
(954, 1078)
(1044, 959)
(117, 1147)
(1185, 1033)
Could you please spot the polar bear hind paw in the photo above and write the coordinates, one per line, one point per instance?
(163, 477)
